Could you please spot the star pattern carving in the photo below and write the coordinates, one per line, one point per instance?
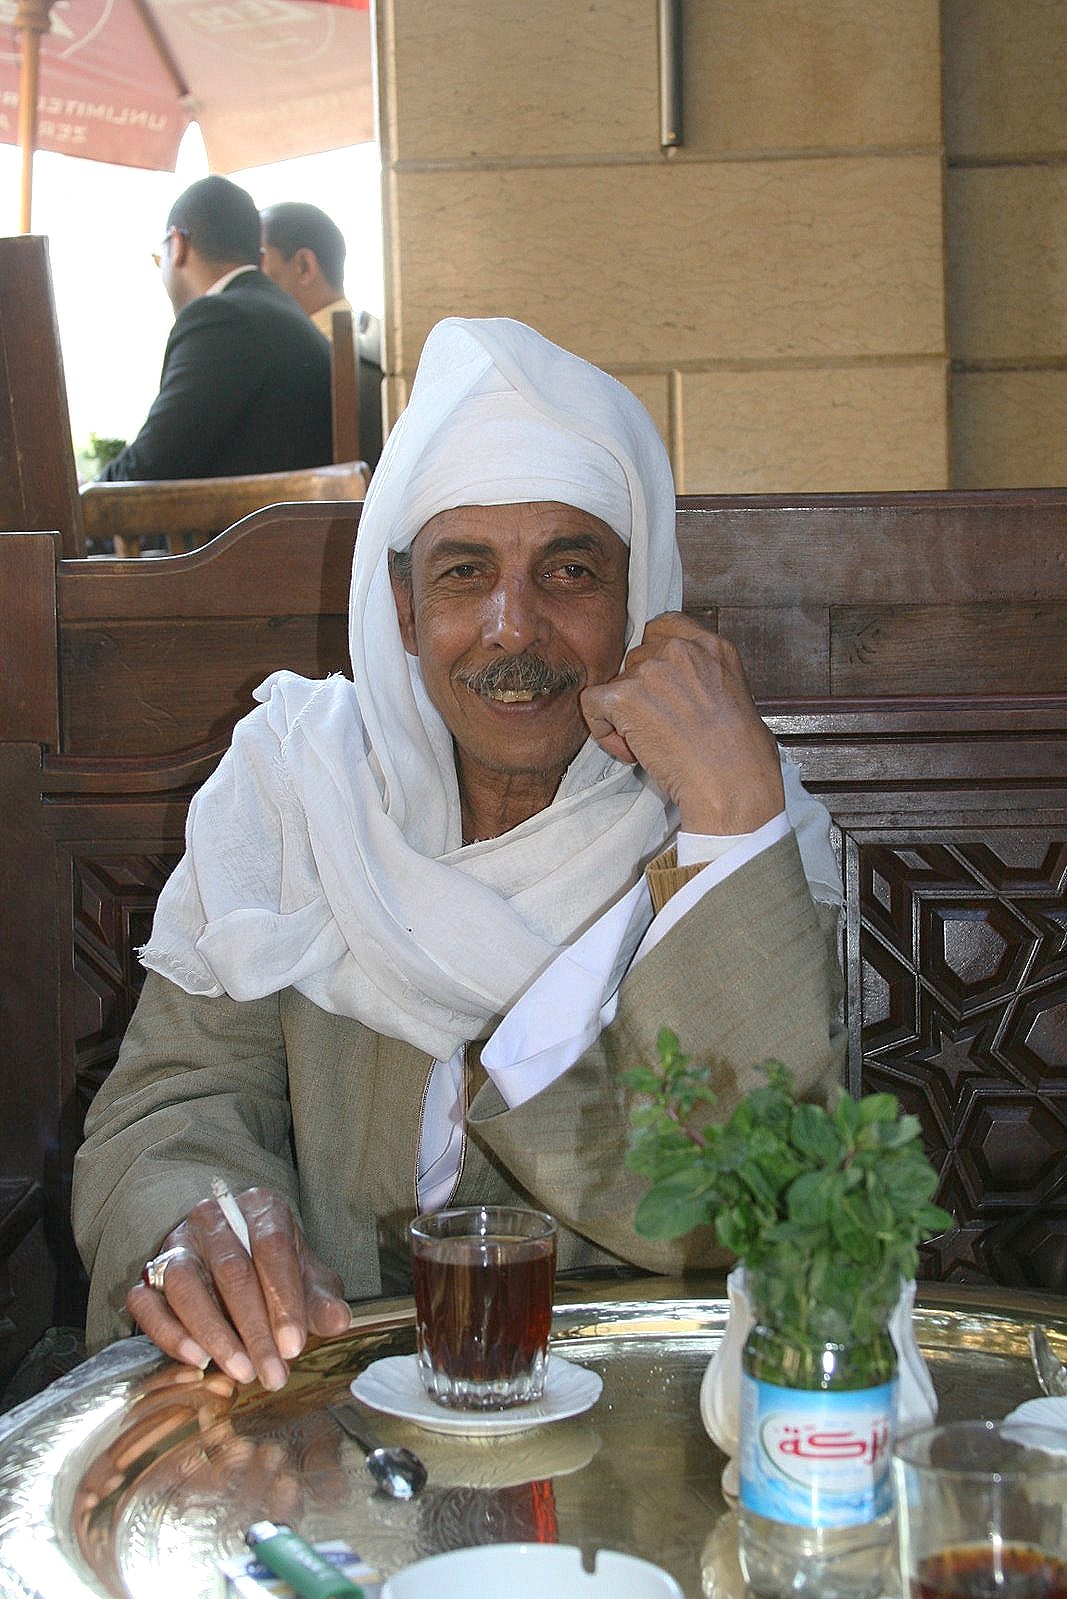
(961, 992)
(114, 899)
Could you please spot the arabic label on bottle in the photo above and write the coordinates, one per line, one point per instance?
(816, 1458)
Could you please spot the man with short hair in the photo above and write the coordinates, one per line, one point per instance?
(245, 385)
(428, 916)
(303, 251)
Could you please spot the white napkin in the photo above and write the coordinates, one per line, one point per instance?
(720, 1391)
(1050, 1415)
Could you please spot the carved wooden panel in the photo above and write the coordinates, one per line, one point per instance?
(957, 967)
(21, 1205)
(943, 648)
(113, 901)
(89, 846)
(38, 484)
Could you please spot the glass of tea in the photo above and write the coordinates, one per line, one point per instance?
(483, 1279)
(982, 1511)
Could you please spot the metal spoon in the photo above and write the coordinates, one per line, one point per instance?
(1051, 1371)
(397, 1471)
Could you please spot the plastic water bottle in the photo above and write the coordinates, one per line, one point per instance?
(815, 1518)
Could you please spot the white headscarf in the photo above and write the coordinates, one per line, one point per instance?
(325, 852)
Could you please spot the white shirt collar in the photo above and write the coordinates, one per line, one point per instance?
(228, 277)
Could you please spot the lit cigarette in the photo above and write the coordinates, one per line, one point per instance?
(232, 1211)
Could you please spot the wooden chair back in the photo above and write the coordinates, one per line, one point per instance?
(884, 594)
(38, 482)
(356, 389)
(186, 512)
(950, 812)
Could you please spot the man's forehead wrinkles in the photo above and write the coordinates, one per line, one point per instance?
(451, 547)
(588, 542)
(576, 541)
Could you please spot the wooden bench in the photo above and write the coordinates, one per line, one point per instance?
(908, 650)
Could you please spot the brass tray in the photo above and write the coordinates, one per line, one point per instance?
(132, 1478)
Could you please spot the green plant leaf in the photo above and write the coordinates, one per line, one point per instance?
(814, 1135)
(878, 1108)
(667, 1215)
(809, 1199)
(642, 1080)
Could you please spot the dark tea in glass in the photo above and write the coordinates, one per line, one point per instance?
(982, 1510)
(988, 1571)
(483, 1281)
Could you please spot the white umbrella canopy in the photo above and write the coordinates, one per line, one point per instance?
(120, 80)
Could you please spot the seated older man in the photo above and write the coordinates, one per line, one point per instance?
(426, 919)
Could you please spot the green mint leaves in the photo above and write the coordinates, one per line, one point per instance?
(835, 1201)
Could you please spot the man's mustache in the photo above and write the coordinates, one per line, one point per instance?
(519, 674)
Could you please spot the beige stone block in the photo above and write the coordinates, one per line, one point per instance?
(1005, 67)
(497, 81)
(653, 389)
(790, 75)
(1007, 230)
(1009, 430)
(815, 429)
(489, 80)
(680, 265)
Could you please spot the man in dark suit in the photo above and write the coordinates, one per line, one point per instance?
(246, 376)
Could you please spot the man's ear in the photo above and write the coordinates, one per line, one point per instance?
(404, 599)
(306, 263)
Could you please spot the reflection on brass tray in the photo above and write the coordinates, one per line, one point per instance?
(132, 1478)
(399, 1472)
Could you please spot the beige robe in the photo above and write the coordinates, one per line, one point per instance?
(277, 1092)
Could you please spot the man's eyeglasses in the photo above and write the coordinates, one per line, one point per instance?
(183, 233)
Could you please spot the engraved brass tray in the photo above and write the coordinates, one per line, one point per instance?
(132, 1477)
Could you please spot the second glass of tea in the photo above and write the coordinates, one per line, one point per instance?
(982, 1511)
(483, 1280)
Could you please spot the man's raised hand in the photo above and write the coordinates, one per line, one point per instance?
(682, 709)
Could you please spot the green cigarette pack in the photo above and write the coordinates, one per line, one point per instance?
(248, 1578)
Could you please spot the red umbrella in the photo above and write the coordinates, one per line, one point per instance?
(120, 80)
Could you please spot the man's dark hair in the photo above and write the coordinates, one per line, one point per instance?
(221, 220)
(293, 225)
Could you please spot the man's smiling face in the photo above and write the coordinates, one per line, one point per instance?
(512, 611)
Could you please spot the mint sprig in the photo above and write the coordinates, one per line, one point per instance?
(834, 1203)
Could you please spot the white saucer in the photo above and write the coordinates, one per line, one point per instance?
(393, 1385)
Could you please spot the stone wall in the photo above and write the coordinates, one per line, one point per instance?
(775, 289)
(1006, 142)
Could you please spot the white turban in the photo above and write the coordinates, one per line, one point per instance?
(495, 449)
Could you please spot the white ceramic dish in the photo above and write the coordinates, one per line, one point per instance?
(536, 1571)
(394, 1387)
